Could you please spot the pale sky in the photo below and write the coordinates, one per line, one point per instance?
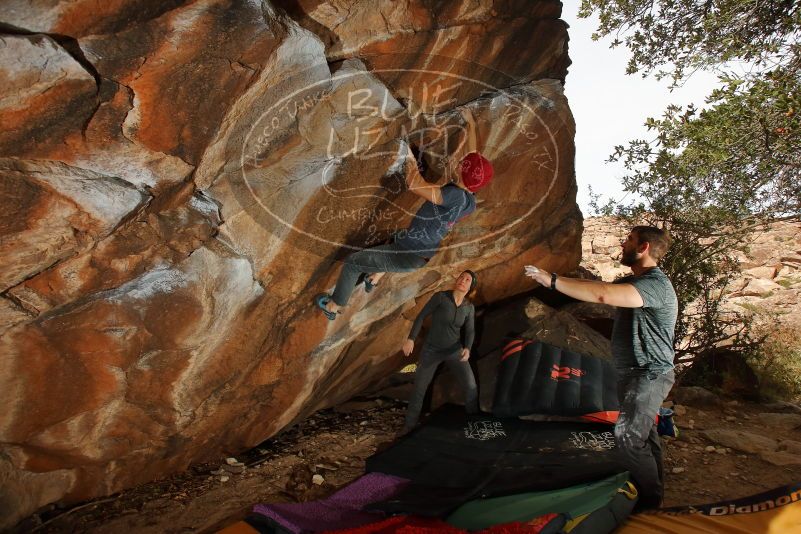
(610, 107)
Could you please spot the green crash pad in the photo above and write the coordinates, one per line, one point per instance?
(573, 501)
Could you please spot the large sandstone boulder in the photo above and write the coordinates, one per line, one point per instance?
(183, 177)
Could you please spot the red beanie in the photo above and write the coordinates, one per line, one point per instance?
(476, 171)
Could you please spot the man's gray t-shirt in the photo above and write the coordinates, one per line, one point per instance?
(643, 337)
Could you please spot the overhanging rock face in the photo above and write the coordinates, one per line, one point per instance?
(183, 177)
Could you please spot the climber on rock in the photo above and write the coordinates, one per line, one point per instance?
(413, 247)
(451, 312)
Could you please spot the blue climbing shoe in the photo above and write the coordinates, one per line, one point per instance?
(321, 301)
(368, 285)
(364, 278)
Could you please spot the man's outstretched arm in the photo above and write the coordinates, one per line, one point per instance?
(621, 295)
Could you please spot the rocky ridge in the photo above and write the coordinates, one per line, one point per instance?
(770, 281)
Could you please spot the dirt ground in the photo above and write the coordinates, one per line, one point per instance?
(335, 443)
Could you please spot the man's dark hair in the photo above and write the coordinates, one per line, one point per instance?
(657, 239)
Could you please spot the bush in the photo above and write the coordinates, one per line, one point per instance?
(724, 371)
(785, 283)
(776, 361)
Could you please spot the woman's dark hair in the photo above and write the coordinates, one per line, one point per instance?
(474, 282)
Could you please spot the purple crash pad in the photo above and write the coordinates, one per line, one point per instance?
(341, 510)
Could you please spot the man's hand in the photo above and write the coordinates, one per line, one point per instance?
(465, 355)
(541, 277)
(453, 168)
(417, 185)
(422, 166)
(408, 347)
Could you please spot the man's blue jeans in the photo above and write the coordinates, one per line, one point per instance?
(381, 259)
(641, 394)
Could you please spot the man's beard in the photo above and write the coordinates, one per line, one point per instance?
(628, 258)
